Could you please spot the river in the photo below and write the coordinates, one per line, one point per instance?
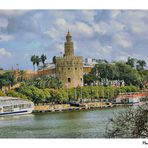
(73, 124)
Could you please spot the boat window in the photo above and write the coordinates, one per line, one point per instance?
(7, 109)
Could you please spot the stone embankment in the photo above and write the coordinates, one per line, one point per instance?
(68, 107)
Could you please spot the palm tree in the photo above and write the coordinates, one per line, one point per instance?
(33, 60)
(43, 59)
(54, 60)
(37, 61)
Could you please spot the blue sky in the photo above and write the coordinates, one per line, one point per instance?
(102, 34)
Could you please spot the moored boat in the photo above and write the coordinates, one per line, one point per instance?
(15, 106)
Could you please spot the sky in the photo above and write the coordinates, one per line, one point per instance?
(101, 34)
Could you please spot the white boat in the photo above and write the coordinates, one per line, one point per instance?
(15, 106)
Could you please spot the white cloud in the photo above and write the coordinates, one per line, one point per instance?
(101, 28)
(53, 33)
(5, 37)
(88, 15)
(122, 40)
(13, 13)
(4, 53)
(78, 29)
(82, 30)
(61, 23)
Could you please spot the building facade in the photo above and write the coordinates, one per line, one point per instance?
(69, 68)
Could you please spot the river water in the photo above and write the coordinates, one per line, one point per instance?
(74, 124)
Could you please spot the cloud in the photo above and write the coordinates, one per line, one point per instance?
(13, 13)
(88, 15)
(122, 40)
(79, 29)
(82, 30)
(109, 34)
(4, 53)
(4, 37)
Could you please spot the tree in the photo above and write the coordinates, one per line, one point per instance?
(45, 82)
(8, 78)
(43, 59)
(131, 62)
(22, 74)
(33, 60)
(89, 79)
(128, 74)
(13, 93)
(141, 64)
(38, 60)
(133, 123)
(47, 95)
(33, 93)
(54, 60)
(105, 71)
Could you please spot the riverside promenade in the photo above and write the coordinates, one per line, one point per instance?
(68, 107)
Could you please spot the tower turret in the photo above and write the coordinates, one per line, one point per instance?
(69, 46)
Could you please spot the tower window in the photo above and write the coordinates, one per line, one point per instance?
(75, 68)
(68, 68)
(69, 80)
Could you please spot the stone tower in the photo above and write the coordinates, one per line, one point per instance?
(69, 68)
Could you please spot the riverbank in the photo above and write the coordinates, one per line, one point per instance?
(68, 107)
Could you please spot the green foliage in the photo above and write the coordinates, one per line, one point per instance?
(48, 97)
(45, 82)
(128, 74)
(141, 65)
(119, 71)
(36, 60)
(89, 79)
(98, 92)
(43, 59)
(105, 70)
(8, 78)
(65, 95)
(58, 95)
(33, 60)
(131, 62)
(2, 94)
(33, 93)
(21, 77)
(54, 60)
(13, 93)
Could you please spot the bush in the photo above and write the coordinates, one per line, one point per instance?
(132, 123)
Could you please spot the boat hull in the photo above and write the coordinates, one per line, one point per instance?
(21, 112)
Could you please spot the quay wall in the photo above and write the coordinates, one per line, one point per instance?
(64, 107)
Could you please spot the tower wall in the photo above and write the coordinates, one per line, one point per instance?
(69, 68)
